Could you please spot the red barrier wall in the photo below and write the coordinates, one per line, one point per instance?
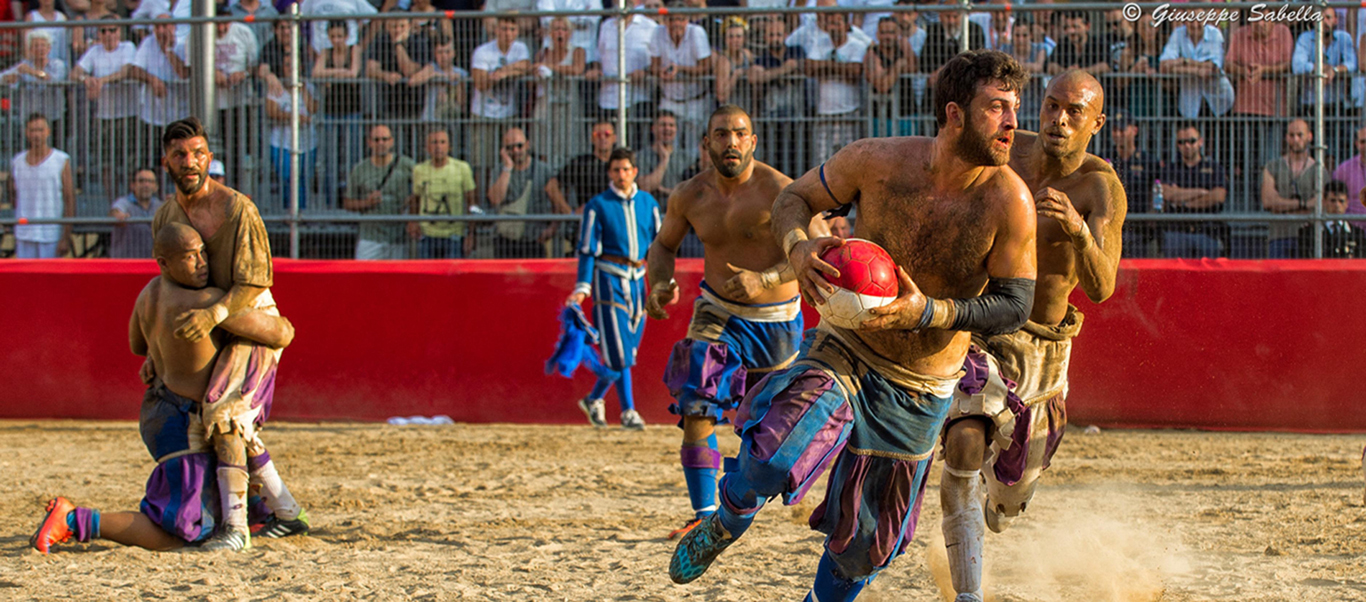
(1207, 344)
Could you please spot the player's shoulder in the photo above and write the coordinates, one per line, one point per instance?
(1008, 191)
(148, 292)
(693, 188)
(1098, 179)
(239, 206)
(164, 214)
(768, 176)
(1095, 167)
(886, 149)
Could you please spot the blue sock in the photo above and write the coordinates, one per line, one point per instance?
(600, 387)
(734, 522)
(700, 459)
(832, 586)
(624, 394)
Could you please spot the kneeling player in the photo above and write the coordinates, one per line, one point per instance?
(182, 502)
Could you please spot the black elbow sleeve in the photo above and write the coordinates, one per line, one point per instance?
(1003, 308)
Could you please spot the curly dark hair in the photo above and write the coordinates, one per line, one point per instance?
(961, 76)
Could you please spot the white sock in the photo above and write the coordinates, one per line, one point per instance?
(232, 490)
(963, 527)
(274, 492)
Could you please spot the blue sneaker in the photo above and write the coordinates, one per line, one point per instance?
(698, 549)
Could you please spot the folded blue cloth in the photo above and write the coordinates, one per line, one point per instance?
(575, 345)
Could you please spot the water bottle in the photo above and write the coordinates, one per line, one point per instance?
(1157, 196)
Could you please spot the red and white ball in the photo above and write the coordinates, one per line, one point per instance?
(867, 279)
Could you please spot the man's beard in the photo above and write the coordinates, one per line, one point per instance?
(977, 149)
(728, 171)
(186, 188)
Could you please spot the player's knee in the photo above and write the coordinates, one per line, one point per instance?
(965, 444)
(853, 566)
(697, 428)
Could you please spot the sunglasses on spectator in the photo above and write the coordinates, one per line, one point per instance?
(513, 146)
(109, 30)
(379, 139)
(1188, 141)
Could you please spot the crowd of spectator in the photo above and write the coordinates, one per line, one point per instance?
(516, 115)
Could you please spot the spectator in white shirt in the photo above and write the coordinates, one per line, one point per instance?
(1196, 52)
(40, 184)
(102, 71)
(680, 56)
(495, 69)
(866, 22)
(236, 54)
(810, 29)
(526, 26)
(559, 110)
(835, 58)
(165, 88)
(149, 9)
(639, 31)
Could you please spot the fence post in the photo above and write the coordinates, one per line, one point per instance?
(295, 162)
(965, 27)
(202, 100)
(623, 78)
(1319, 142)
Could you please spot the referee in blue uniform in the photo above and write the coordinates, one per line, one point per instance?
(618, 226)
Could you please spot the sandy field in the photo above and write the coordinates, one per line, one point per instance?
(504, 512)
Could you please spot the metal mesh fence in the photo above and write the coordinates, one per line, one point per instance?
(496, 125)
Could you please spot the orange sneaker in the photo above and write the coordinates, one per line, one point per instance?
(681, 531)
(53, 529)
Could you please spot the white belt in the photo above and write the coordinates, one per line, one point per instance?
(621, 270)
(776, 312)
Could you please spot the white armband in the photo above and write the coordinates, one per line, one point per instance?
(583, 287)
(220, 313)
(770, 278)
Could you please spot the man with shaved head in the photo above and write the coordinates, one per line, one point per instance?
(182, 500)
(1008, 436)
(1291, 184)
